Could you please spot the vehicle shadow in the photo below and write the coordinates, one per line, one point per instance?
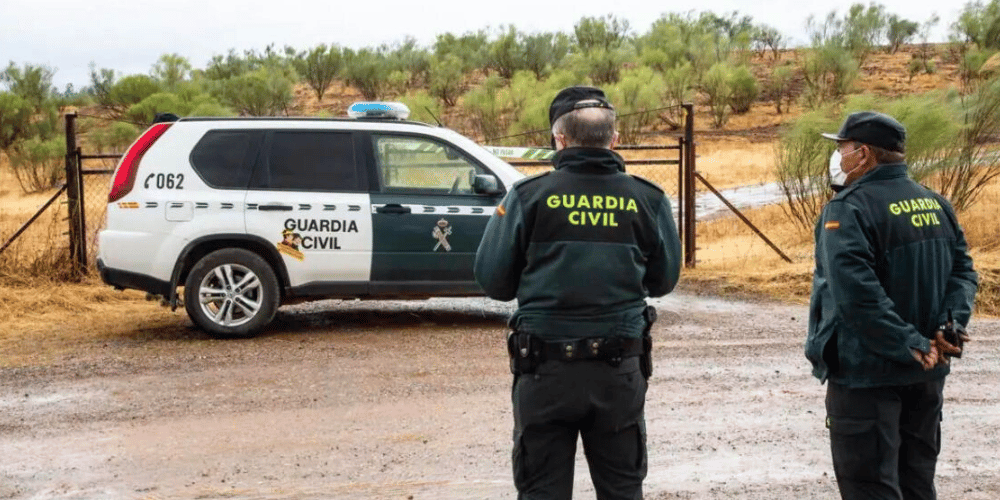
(338, 318)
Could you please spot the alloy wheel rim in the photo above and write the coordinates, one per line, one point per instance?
(230, 295)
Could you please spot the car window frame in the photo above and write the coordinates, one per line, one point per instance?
(377, 174)
(261, 166)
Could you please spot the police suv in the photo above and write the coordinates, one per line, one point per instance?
(250, 213)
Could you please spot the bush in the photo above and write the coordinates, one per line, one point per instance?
(265, 92)
(114, 138)
(506, 53)
(486, 108)
(445, 78)
(170, 70)
(829, 73)
(161, 102)
(931, 131)
(38, 163)
(744, 90)
(423, 106)
(470, 48)
(545, 51)
(970, 164)
(717, 87)
(779, 87)
(900, 31)
(15, 119)
(637, 97)
(677, 83)
(367, 71)
(318, 67)
(118, 97)
(801, 165)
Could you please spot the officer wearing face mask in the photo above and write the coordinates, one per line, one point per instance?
(893, 290)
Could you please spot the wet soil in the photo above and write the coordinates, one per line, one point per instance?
(410, 400)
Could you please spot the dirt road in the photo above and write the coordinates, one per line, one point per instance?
(401, 400)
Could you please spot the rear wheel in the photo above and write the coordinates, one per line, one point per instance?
(231, 293)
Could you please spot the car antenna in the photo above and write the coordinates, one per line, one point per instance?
(428, 110)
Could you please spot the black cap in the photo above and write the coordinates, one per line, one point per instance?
(569, 99)
(876, 129)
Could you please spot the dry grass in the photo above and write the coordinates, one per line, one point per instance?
(36, 313)
(731, 259)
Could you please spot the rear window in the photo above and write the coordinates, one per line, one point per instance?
(310, 161)
(223, 157)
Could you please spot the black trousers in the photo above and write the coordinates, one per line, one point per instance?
(885, 440)
(591, 399)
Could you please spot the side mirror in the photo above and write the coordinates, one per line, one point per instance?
(485, 184)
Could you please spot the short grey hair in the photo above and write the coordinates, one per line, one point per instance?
(591, 127)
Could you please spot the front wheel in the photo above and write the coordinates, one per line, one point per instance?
(231, 293)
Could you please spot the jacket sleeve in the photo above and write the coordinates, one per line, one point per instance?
(862, 304)
(960, 293)
(501, 254)
(663, 266)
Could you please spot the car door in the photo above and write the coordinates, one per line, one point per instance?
(308, 197)
(427, 221)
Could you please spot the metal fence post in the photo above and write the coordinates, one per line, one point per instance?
(77, 251)
(689, 193)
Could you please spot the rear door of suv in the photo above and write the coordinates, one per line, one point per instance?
(427, 221)
(308, 196)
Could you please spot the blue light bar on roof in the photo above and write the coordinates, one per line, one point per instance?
(390, 110)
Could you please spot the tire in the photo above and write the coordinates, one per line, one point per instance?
(231, 293)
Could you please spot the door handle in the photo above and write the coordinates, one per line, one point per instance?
(393, 208)
(274, 207)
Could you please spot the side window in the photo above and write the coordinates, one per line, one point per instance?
(223, 157)
(310, 161)
(421, 165)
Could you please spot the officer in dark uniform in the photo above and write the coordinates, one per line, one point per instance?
(580, 247)
(892, 292)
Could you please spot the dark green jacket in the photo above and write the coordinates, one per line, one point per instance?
(891, 260)
(580, 248)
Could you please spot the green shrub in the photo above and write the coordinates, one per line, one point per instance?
(678, 82)
(265, 92)
(161, 102)
(829, 73)
(486, 108)
(637, 97)
(744, 90)
(15, 119)
(779, 87)
(423, 106)
(38, 163)
(445, 77)
(318, 67)
(114, 138)
(801, 166)
(717, 87)
(367, 71)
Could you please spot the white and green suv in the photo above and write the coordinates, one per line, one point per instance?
(250, 213)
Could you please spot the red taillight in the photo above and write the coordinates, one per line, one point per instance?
(125, 177)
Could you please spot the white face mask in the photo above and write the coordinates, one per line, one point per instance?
(837, 175)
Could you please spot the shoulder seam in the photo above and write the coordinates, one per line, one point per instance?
(532, 178)
(647, 182)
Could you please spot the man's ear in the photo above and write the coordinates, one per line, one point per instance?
(559, 141)
(614, 141)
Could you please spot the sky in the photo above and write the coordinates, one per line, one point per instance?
(129, 36)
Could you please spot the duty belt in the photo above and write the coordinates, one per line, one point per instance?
(610, 349)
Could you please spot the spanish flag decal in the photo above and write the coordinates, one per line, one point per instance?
(831, 225)
(501, 211)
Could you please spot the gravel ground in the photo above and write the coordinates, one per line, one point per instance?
(410, 400)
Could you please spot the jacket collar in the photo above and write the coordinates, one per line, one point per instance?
(883, 172)
(588, 160)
